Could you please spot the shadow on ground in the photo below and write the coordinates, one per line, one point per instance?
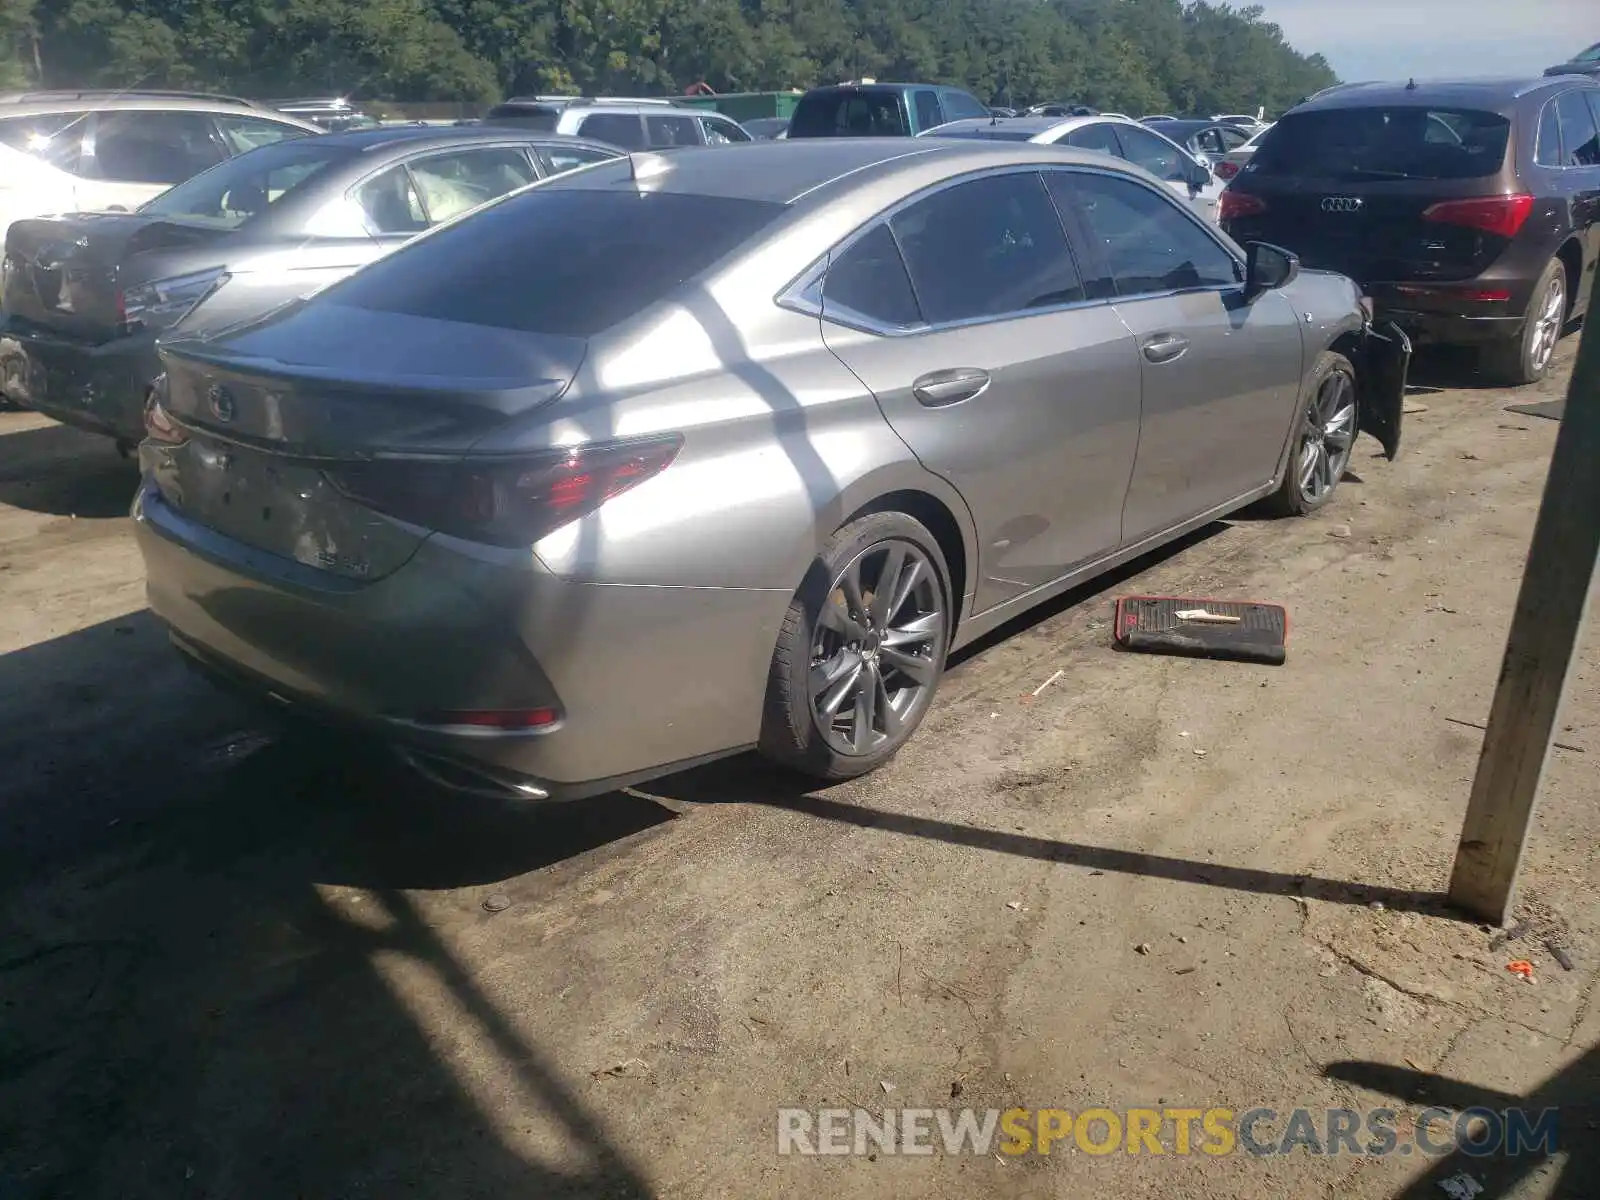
(1574, 1092)
(182, 1010)
(65, 472)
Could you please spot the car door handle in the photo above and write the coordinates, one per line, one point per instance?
(938, 388)
(1164, 347)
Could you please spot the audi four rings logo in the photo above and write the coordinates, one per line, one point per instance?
(1340, 204)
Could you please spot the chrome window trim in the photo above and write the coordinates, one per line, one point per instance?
(803, 294)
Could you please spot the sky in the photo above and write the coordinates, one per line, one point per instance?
(1400, 39)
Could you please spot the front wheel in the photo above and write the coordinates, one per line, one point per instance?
(862, 650)
(1324, 440)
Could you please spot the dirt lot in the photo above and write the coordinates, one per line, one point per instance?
(230, 970)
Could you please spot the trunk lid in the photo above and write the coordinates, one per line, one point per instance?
(1372, 232)
(270, 408)
(63, 273)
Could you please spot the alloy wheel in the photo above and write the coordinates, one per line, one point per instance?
(1551, 317)
(1330, 435)
(875, 656)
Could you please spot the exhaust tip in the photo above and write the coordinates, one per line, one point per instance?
(469, 778)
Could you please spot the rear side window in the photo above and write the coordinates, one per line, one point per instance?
(1385, 143)
(1548, 153)
(620, 129)
(1580, 141)
(987, 248)
(720, 131)
(566, 262)
(869, 280)
(1100, 136)
(848, 113)
(665, 131)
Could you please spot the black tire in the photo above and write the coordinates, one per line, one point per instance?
(1526, 358)
(1294, 498)
(790, 733)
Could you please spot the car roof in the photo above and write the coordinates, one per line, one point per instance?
(788, 172)
(1182, 127)
(880, 85)
(43, 103)
(415, 137)
(1453, 93)
(1032, 126)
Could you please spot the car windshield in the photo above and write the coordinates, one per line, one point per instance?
(1592, 54)
(988, 133)
(848, 112)
(245, 187)
(568, 262)
(1404, 142)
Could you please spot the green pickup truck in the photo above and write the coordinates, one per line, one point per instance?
(880, 109)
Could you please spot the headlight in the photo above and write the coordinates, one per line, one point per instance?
(165, 302)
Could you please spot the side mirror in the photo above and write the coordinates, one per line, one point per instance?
(1199, 174)
(1268, 268)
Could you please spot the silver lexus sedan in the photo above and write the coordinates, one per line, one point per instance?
(679, 455)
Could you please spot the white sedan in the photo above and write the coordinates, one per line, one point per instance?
(1190, 177)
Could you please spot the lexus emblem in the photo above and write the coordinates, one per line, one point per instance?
(222, 404)
(1344, 204)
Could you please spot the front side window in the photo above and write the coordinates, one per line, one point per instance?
(987, 248)
(869, 280)
(161, 147)
(458, 182)
(1143, 241)
(719, 131)
(666, 131)
(958, 105)
(251, 133)
(247, 186)
(56, 139)
(619, 129)
(562, 261)
(1580, 141)
(1232, 137)
(1154, 153)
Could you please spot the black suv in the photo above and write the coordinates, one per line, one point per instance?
(1470, 212)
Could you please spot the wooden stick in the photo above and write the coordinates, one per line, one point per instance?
(1545, 631)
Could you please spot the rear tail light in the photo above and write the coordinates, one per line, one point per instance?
(1239, 204)
(1502, 215)
(1226, 169)
(505, 501)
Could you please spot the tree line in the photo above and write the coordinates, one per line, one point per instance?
(1132, 56)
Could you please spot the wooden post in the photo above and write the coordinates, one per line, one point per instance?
(1545, 632)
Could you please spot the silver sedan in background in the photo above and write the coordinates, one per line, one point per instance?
(678, 455)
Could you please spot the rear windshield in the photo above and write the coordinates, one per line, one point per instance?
(987, 133)
(568, 262)
(1385, 143)
(544, 120)
(246, 187)
(849, 112)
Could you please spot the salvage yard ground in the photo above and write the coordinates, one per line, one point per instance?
(229, 968)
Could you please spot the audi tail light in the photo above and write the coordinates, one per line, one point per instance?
(510, 501)
(1500, 215)
(1239, 204)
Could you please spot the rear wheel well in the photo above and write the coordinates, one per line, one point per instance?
(1571, 256)
(941, 523)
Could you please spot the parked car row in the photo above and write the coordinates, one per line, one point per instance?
(1468, 211)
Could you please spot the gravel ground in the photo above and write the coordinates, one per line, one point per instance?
(230, 967)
